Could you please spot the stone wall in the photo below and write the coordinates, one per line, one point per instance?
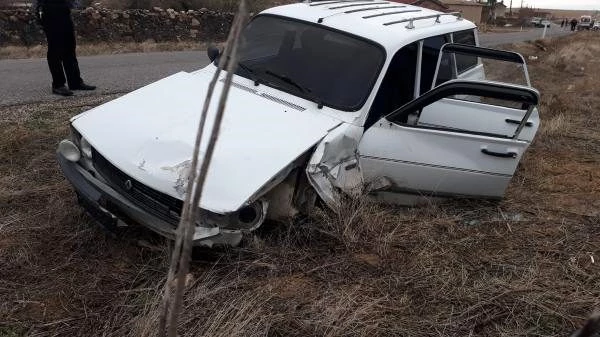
(19, 27)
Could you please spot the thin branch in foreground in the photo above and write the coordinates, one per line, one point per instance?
(172, 302)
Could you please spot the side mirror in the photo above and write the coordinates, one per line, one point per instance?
(213, 52)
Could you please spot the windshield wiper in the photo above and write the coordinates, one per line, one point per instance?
(287, 80)
(250, 72)
(306, 91)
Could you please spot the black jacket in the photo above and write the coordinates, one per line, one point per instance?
(51, 5)
(54, 14)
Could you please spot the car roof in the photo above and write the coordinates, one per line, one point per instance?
(374, 19)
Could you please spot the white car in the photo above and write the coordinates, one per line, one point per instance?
(596, 26)
(535, 21)
(585, 22)
(539, 22)
(330, 98)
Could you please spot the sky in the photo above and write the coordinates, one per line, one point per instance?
(558, 4)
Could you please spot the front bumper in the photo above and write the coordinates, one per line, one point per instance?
(108, 207)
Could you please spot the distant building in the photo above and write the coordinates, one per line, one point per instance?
(526, 13)
(500, 10)
(471, 10)
(430, 4)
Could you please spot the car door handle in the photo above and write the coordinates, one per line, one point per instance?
(514, 121)
(510, 154)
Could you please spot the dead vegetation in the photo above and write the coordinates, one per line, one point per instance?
(525, 266)
(104, 48)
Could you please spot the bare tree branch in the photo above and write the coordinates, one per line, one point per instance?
(185, 231)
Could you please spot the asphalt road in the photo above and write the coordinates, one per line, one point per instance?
(28, 80)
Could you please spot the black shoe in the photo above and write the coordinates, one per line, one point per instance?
(84, 86)
(63, 91)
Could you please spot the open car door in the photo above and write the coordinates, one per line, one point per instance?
(465, 148)
(502, 116)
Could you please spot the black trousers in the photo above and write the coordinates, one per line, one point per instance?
(60, 34)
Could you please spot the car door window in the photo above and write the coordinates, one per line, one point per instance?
(497, 111)
(465, 62)
(430, 54)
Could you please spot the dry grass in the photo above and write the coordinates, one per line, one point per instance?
(103, 48)
(525, 266)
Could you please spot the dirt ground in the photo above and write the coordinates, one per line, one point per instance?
(526, 266)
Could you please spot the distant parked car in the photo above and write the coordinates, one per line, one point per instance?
(545, 23)
(585, 22)
(596, 26)
(539, 22)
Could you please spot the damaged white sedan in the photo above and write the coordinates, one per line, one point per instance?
(329, 98)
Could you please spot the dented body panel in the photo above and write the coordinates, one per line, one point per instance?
(156, 138)
(334, 167)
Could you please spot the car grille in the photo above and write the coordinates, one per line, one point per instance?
(159, 204)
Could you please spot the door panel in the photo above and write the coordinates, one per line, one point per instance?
(435, 181)
(478, 117)
(454, 147)
(438, 162)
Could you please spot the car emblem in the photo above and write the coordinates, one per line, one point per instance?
(128, 185)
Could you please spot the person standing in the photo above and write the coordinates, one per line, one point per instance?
(573, 24)
(55, 19)
(562, 23)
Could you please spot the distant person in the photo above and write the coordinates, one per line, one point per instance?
(562, 23)
(573, 24)
(55, 18)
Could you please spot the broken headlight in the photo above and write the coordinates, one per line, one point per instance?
(82, 143)
(86, 148)
(69, 150)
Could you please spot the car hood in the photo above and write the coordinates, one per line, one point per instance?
(149, 134)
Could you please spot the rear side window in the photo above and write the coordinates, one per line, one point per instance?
(465, 62)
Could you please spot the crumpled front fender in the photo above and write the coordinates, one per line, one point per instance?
(334, 167)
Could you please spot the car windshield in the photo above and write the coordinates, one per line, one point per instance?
(331, 68)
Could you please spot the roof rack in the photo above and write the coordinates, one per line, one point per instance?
(390, 13)
(371, 9)
(350, 11)
(313, 3)
(360, 4)
(412, 20)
